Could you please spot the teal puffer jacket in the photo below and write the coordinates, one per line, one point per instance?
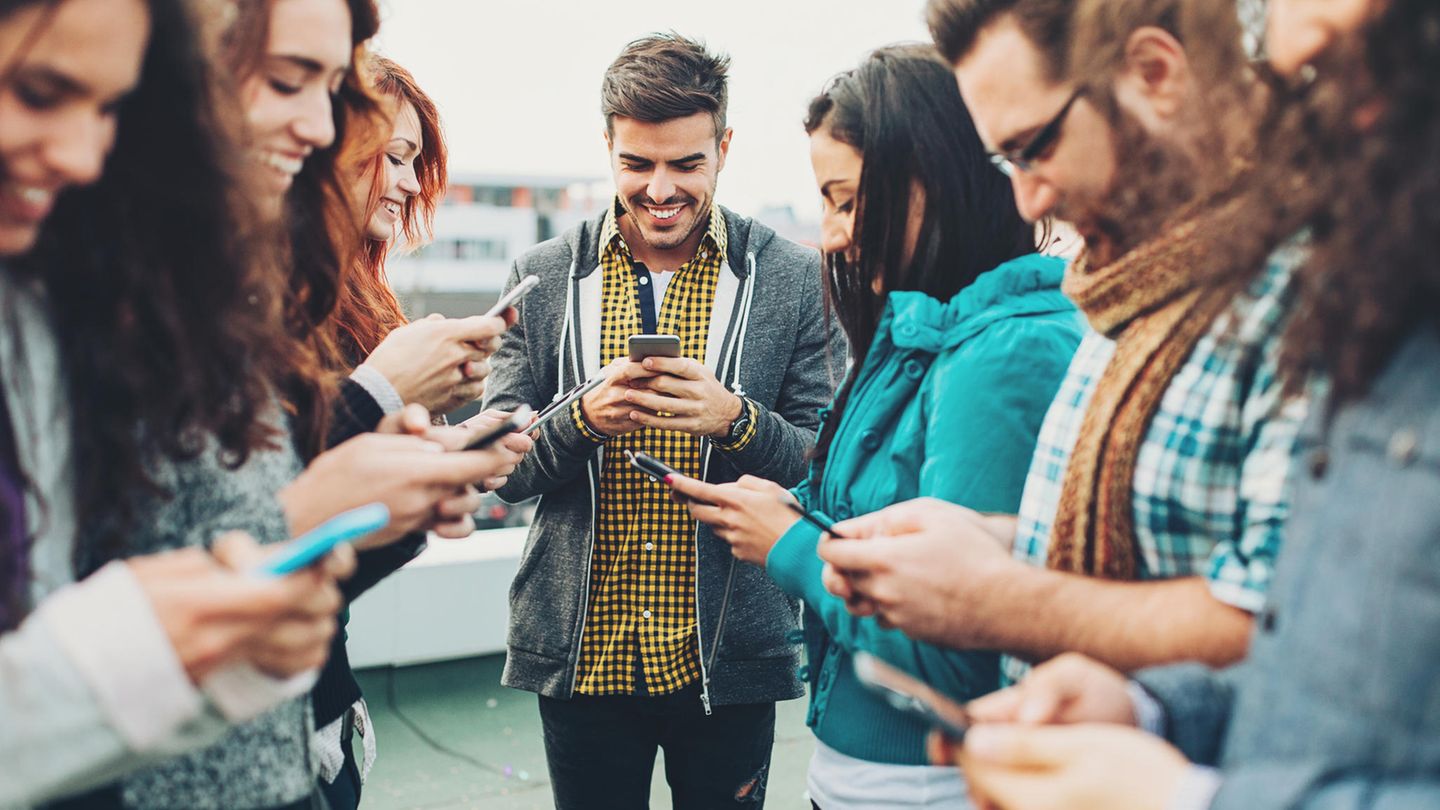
(947, 405)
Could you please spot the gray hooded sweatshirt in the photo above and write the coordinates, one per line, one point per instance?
(769, 341)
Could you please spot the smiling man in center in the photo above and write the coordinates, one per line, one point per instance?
(619, 609)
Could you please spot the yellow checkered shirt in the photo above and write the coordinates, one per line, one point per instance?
(642, 575)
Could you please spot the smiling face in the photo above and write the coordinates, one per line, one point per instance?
(289, 101)
(400, 182)
(665, 176)
(67, 74)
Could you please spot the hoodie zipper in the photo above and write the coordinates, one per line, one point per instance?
(577, 367)
(726, 369)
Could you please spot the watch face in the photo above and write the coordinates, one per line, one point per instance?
(737, 428)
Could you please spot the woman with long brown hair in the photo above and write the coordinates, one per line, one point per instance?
(118, 179)
(306, 109)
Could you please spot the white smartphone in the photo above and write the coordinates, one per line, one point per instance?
(562, 402)
(912, 696)
(513, 297)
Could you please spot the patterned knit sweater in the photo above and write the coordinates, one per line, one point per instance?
(265, 762)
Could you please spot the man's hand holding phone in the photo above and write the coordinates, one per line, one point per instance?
(678, 393)
(606, 409)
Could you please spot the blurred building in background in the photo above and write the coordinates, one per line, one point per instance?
(489, 220)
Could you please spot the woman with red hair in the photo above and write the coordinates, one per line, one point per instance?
(430, 361)
(438, 362)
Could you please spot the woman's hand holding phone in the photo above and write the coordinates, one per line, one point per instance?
(424, 487)
(749, 514)
(438, 362)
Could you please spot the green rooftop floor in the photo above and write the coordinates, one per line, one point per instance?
(495, 731)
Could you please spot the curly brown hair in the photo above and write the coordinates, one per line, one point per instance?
(1372, 199)
(167, 316)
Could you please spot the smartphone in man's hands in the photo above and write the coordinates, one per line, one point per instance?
(643, 346)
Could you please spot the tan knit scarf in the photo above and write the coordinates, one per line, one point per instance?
(1156, 304)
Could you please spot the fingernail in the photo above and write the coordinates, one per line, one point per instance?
(669, 480)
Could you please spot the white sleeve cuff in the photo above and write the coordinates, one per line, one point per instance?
(378, 387)
(107, 627)
(1197, 789)
(1149, 714)
(240, 692)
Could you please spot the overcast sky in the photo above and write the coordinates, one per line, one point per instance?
(518, 82)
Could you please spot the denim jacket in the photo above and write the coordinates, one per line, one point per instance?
(1338, 704)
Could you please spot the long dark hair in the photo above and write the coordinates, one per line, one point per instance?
(165, 313)
(1373, 277)
(322, 221)
(902, 110)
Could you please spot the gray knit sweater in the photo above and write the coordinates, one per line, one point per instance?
(263, 763)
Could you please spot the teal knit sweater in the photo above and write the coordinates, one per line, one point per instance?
(947, 405)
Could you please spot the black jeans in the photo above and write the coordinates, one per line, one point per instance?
(601, 751)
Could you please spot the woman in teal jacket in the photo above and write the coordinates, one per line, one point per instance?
(960, 336)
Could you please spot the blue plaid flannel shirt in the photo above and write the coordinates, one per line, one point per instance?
(1210, 488)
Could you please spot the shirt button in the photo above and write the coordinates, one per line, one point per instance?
(870, 441)
(644, 281)
(646, 614)
(1404, 447)
(803, 673)
(795, 637)
(843, 512)
(1268, 620)
(906, 331)
(649, 546)
(914, 369)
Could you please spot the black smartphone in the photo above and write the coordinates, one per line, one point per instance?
(643, 346)
(562, 402)
(651, 466)
(513, 423)
(912, 696)
(813, 518)
(658, 471)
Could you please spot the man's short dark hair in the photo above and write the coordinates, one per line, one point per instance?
(666, 76)
(956, 24)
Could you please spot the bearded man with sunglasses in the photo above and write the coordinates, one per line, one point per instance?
(1155, 502)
